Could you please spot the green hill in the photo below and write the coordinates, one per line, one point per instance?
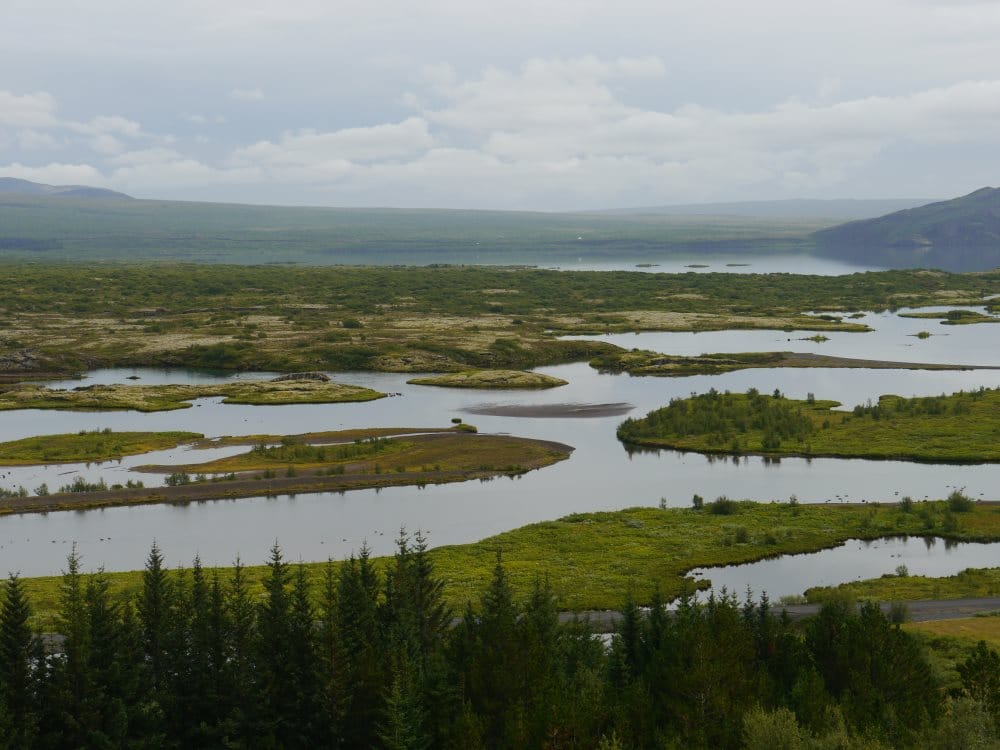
(962, 233)
(36, 226)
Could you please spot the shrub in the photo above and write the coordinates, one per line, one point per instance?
(959, 502)
(722, 506)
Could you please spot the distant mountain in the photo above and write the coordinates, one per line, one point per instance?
(13, 186)
(833, 210)
(962, 232)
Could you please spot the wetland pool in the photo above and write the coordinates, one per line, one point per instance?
(855, 560)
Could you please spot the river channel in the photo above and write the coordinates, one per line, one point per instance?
(600, 475)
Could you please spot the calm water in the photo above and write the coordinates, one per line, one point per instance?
(853, 561)
(893, 339)
(600, 474)
(797, 263)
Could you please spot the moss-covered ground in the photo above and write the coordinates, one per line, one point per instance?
(59, 318)
(149, 398)
(492, 379)
(89, 446)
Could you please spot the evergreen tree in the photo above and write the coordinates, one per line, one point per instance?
(274, 672)
(114, 684)
(332, 692)
(360, 648)
(240, 674)
(404, 720)
(490, 662)
(156, 612)
(69, 716)
(20, 665)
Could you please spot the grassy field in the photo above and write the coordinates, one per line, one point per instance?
(962, 427)
(86, 230)
(592, 559)
(970, 629)
(68, 318)
(971, 583)
(98, 445)
(150, 398)
(492, 379)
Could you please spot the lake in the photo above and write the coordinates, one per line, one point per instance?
(600, 474)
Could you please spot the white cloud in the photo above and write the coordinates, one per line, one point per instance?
(35, 140)
(107, 124)
(146, 156)
(546, 133)
(247, 95)
(27, 111)
(106, 144)
(309, 148)
(55, 173)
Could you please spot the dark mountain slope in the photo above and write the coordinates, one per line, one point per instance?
(10, 186)
(962, 232)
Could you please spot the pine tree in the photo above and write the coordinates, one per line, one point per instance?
(114, 678)
(20, 663)
(332, 691)
(198, 690)
(274, 672)
(69, 716)
(404, 720)
(155, 608)
(360, 647)
(304, 727)
(240, 673)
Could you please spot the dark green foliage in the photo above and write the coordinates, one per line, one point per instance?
(723, 417)
(21, 667)
(374, 659)
(958, 502)
(980, 675)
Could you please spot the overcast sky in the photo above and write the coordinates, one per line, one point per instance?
(540, 104)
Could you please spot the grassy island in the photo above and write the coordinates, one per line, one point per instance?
(645, 362)
(970, 583)
(88, 446)
(961, 427)
(288, 465)
(492, 379)
(149, 398)
(954, 317)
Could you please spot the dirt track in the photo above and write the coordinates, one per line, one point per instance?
(603, 621)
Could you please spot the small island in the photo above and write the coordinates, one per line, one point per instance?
(491, 379)
(296, 464)
(150, 398)
(960, 428)
(88, 446)
(954, 317)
